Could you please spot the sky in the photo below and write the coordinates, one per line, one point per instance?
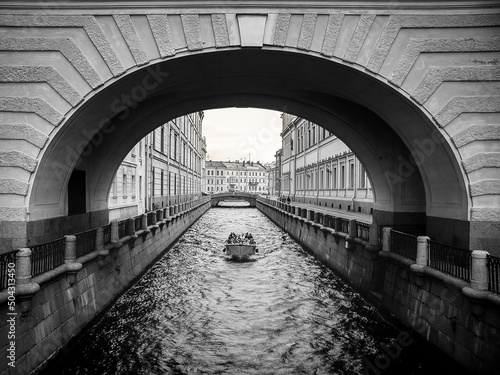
(242, 134)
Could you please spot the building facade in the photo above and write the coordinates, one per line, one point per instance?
(164, 168)
(318, 168)
(228, 176)
(126, 196)
(272, 175)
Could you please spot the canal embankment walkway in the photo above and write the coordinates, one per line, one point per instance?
(359, 216)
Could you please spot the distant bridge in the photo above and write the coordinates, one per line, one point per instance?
(221, 197)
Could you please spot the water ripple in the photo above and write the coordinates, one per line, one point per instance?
(197, 312)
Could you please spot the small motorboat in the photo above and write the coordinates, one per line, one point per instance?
(240, 246)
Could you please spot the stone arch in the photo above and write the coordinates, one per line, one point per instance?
(398, 185)
(222, 197)
(355, 73)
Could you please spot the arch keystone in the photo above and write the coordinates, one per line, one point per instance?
(252, 28)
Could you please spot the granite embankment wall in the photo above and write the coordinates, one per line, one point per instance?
(65, 303)
(456, 316)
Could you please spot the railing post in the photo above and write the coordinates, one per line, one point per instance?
(297, 211)
(114, 231)
(25, 288)
(69, 249)
(338, 224)
(326, 220)
(131, 226)
(99, 238)
(373, 235)
(23, 266)
(386, 239)
(152, 215)
(159, 215)
(99, 246)
(310, 215)
(353, 228)
(72, 267)
(479, 270)
(144, 221)
(422, 251)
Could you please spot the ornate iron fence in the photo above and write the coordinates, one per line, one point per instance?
(363, 230)
(106, 232)
(494, 273)
(5, 260)
(451, 260)
(85, 242)
(47, 256)
(345, 226)
(404, 244)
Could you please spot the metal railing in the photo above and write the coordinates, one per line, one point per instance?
(413, 229)
(451, 260)
(345, 225)
(404, 244)
(85, 242)
(493, 273)
(47, 256)
(5, 259)
(363, 230)
(106, 231)
(122, 228)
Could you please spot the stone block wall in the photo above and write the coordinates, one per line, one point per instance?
(59, 311)
(434, 307)
(355, 263)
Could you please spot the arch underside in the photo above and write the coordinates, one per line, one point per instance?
(372, 119)
(229, 197)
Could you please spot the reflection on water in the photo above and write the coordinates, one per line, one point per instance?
(198, 312)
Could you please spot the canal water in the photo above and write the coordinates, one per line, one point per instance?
(280, 312)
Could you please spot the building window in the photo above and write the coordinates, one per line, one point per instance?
(342, 177)
(173, 145)
(153, 182)
(161, 187)
(309, 136)
(133, 186)
(351, 176)
(162, 141)
(362, 177)
(140, 187)
(124, 186)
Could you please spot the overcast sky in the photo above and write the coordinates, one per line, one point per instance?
(240, 133)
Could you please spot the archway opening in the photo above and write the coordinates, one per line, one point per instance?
(414, 174)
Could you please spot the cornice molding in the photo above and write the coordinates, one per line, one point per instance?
(201, 6)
